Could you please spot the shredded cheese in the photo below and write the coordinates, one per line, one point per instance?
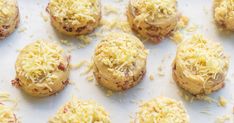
(39, 60)
(79, 65)
(8, 10)
(223, 119)
(183, 22)
(7, 112)
(224, 13)
(7, 115)
(177, 37)
(201, 58)
(119, 51)
(162, 110)
(108, 9)
(222, 101)
(80, 111)
(74, 12)
(152, 10)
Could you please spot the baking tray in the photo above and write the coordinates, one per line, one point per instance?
(121, 106)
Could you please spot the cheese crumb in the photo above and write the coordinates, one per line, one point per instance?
(151, 77)
(85, 39)
(222, 101)
(109, 93)
(177, 37)
(183, 22)
(223, 119)
(90, 78)
(65, 42)
(79, 65)
(108, 9)
(44, 17)
(81, 111)
(22, 29)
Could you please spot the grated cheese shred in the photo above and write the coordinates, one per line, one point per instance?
(39, 61)
(162, 110)
(80, 111)
(224, 13)
(7, 112)
(201, 58)
(151, 10)
(74, 12)
(119, 51)
(7, 10)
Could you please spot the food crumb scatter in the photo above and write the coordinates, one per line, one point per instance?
(65, 42)
(192, 28)
(223, 119)
(109, 93)
(85, 39)
(183, 22)
(177, 37)
(89, 68)
(160, 69)
(151, 77)
(79, 65)
(44, 17)
(90, 78)
(22, 29)
(222, 101)
(108, 9)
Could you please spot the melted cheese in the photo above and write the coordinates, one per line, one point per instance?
(74, 12)
(151, 10)
(201, 59)
(39, 60)
(7, 10)
(119, 51)
(78, 111)
(162, 110)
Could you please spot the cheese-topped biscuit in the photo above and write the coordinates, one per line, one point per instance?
(75, 17)
(42, 69)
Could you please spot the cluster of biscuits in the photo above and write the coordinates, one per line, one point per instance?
(42, 68)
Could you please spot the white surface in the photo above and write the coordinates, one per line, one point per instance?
(38, 110)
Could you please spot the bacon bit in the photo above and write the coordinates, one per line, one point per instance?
(66, 82)
(65, 110)
(61, 67)
(16, 83)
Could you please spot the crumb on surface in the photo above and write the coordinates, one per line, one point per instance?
(177, 37)
(151, 77)
(222, 101)
(109, 93)
(223, 119)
